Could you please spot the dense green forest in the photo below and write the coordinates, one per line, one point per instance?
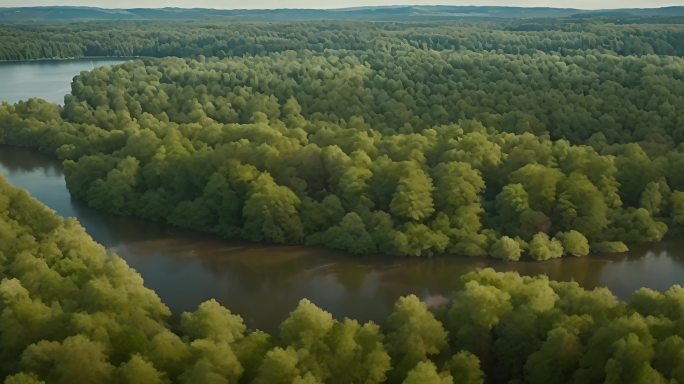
(157, 38)
(514, 139)
(398, 150)
(72, 312)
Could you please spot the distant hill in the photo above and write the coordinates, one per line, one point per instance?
(398, 13)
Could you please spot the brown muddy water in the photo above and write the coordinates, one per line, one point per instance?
(264, 283)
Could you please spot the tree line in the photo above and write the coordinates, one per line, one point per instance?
(73, 312)
(404, 152)
(642, 36)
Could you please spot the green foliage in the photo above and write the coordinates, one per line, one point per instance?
(315, 133)
(139, 371)
(609, 247)
(474, 139)
(544, 248)
(412, 199)
(414, 334)
(677, 201)
(553, 30)
(350, 235)
(476, 310)
(574, 243)
(102, 326)
(357, 353)
(278, 366)
(23, 378)
(212, 321)
(271, 212)
(306, 325)
(75, 360)
(465, 368)
(506, 248)
(426, 372)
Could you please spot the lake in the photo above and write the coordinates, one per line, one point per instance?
(264, 283)
(47, 79)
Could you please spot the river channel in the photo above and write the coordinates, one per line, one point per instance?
(264, 283)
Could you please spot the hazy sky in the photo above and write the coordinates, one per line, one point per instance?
(232, 4)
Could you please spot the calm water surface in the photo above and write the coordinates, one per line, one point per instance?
(264, 283)
(50, 80)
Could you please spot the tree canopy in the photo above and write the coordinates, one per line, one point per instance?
(72, 312)
(402, 151)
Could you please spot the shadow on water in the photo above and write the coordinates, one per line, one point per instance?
(263, 283)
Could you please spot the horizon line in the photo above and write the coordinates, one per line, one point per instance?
(343, 8)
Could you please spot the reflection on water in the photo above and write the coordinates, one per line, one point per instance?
(263, 283)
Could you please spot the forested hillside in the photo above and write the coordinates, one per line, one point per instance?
(400, 150)
(72, 312)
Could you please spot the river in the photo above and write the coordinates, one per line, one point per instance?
(263, 283)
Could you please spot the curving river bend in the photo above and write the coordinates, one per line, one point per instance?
(264, 283)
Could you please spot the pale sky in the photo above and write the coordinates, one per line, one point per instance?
(243, 4)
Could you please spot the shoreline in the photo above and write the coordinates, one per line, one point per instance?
(303, 248)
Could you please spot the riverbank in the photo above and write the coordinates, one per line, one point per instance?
(265, 282)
